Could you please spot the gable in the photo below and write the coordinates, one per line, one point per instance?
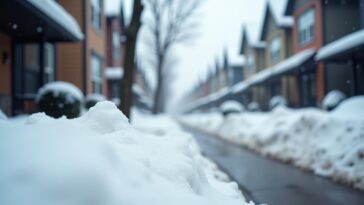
(269, 24)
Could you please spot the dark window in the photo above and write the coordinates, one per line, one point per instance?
(96, 74)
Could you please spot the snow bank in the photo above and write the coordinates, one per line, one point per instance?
(58, 87)
(350, 108)
(100, 159)
(327, 143)
(2, 115)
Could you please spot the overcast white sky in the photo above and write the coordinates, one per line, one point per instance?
(220, 27)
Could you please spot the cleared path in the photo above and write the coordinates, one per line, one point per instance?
(268, 181)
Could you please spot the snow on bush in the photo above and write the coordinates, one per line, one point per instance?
(231, 106)
(253, 107)
(332, 100)
(100, 159)
(92, 99)
(329, 144)
(277, 101)
(59, 99)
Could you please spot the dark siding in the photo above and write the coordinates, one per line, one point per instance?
(340, 19)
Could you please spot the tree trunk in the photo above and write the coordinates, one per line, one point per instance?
(131, 33)
(157, 107)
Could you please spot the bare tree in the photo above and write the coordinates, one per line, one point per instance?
(131, 34)
(170, 23)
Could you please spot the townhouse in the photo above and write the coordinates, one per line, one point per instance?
(318, 24)
(30, 57)
(314, 47)
(115, 48)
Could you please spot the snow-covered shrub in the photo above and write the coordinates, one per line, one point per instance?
(277, 101)
(59, 99)
(332, 100)
(253, 107)
(231, 106)
(92, 99)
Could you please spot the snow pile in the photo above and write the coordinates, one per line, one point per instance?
(2, 115)
(329, 144)
(100, 159)
(277, 101)
(163, 125)
(71, 91)
(333, 99)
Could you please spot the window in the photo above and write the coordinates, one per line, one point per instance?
(31, 68)
(49, 63)
(96, 74)
(96, 13)
(27, 67)
(306, 24)
(275, 50)
(250, 61)
(116, 44)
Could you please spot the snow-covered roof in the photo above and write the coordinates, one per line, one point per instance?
(209, 98)
(112, 7)
(294, 61)
(236, 60)
(343, 44)
(261, 76)
(277, 12)
(252, 32)
(239, 87)
(58, 14)
(114, 73)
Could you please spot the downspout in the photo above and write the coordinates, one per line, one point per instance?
(84, 48)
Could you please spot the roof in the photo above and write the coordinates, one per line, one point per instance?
(59, 15)
(114, 73)
(288, 11)
(276, 13)
(345, 45)
(294, 61)
(250, 35)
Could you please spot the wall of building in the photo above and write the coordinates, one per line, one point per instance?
(340, 18)
(69, 57)
(95, 44)
(5, 73)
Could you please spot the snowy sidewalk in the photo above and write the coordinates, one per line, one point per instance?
(269, 181)
(330, 144)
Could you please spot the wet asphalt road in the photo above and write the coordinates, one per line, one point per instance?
(268, 181)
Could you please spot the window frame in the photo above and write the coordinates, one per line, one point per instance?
(275, 50)
(96, 73)
(96, 14)
(306, 27)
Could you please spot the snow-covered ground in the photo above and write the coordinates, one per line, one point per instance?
(330, 144)
(99, 158)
